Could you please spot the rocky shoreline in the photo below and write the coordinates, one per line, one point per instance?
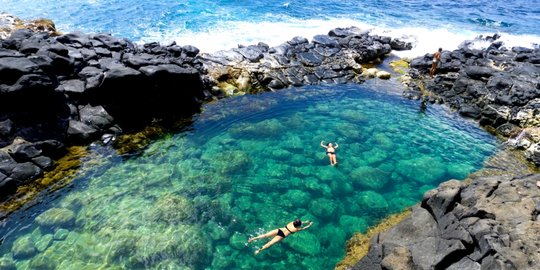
(497, 86)
(77, 88)
(72, 89)
(485, 223)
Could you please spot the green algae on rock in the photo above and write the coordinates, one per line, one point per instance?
(23, 247)
(56, 217)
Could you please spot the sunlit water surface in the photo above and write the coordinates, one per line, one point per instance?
(247, 165)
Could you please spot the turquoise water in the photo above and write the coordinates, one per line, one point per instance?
(245, 166)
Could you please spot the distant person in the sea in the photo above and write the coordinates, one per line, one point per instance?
(436, 60)
(281, 233)
(330, 152)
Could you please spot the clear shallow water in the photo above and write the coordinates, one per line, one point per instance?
(247, 165)
(430, 24)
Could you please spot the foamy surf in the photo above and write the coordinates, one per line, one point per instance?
(230, 34)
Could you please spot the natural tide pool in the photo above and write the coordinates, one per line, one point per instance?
(247, 165)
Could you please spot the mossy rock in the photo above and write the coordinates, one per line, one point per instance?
(424, 169)
(330, 233)
(185, 243)
(56, 217)
(266, 128)
(42, 263)
(120, 243)
(172, 209)
(374, 156)
(60, 234)
(369, 178)
(238, 241)
(23, 247)
(44, 242)
(229, 162)
(295, 198)
(304, 243)
(400, 66)
(371, 202)
(351, 224)
(459, 171)
(323, 208)
(7, 263)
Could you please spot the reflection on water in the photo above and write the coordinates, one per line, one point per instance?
(247, 165)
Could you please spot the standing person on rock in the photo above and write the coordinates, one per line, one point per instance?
(436, 60)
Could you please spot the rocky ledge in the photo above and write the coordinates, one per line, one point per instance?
(491, 223)
(498, 86)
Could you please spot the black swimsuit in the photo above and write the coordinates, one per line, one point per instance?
(280, 232)
(333, 153)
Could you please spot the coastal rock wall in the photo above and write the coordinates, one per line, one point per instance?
(491, 223)
(74, 88)
(498, 86)
(333, 58)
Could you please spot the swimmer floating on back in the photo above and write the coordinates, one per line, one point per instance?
(331, 152)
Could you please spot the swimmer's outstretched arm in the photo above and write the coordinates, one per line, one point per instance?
(309, 223)
(336, 146)
(323, 144)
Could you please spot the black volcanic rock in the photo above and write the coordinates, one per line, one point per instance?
(460, 226)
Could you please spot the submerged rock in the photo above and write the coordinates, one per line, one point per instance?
(185, 243)
(304, 243)
(23, 247)
(172, 209)
(369, 178)
(7, 263)
(424, 169)
(56, 217)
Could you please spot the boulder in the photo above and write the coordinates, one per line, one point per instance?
(72, 87)
(24, 151)
(384, 75)
(95, 116)
(12, 68)
(325, 41)
(400, 45)
(54, 218)
(23, 247)
(6, 128)
(78, 130)
(25, 172)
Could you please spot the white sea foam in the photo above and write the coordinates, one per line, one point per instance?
(231, 34)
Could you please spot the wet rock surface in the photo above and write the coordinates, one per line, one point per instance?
(332, 58)
(491, 223)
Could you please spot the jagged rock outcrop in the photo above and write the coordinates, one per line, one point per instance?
(498, 86)
(491, 223)
(333, 58)
(74, 88)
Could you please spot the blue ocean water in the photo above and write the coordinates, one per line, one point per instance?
(228, 23)
(245, 166)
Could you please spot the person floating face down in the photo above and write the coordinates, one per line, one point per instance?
(435, 63)
(281, 233)
(331, 152)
